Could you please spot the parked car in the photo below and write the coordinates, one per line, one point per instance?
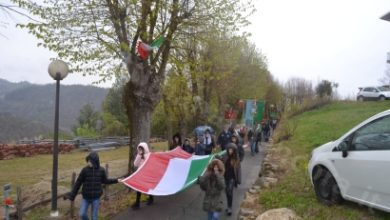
(355, 167)
(373, 93)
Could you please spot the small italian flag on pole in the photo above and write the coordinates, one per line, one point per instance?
(167, 173)
(144, 49)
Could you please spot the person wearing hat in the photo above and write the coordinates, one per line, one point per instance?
(91, 178)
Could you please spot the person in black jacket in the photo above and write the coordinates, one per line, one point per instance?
(208, 142)
(232, 174)
(91, 179)
(224, 138)
(187, 146)
(176, 141)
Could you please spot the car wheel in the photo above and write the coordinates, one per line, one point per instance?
(382, 98)
(360, 98)
(326, 188)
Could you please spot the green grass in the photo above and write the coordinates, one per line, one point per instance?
(30, 170)
(316, 128)
(27, 171)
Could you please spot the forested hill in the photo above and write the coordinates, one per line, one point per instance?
(35, 103)
(13, 128)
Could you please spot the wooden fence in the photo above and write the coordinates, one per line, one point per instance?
(20, 209)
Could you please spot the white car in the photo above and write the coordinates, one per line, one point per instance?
(356, 166)
(373, 93)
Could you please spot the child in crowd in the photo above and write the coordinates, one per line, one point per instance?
(212, 183)
(142, 154)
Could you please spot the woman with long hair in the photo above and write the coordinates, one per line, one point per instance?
(241, 152)
(176, 141)
(232, 174)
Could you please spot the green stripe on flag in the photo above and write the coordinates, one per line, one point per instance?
(260, 105)
(198, 167)
(158, 42)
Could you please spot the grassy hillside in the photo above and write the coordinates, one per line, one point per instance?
(313, 129)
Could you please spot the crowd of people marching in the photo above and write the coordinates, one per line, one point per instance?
(224, 173)
(241, 136)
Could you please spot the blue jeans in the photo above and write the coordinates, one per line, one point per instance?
(253, 147)
(212, 215)
(84, 208)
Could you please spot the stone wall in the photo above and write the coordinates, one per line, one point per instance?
(9, 151)
(272, 169)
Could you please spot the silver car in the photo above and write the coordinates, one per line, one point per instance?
(373, 93)
(356, 166)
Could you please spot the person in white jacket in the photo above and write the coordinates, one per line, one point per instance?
(142, 155)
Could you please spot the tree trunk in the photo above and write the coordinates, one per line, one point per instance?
(141, 95)
(194, 86)
(207, 89)
(221, 109)
(168, 121)
(183, 129)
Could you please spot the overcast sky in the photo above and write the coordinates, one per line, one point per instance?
(338, 40)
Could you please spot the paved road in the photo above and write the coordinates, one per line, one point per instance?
(187, 205)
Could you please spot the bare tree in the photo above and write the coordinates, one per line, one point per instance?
(297, 90)
(10, 11)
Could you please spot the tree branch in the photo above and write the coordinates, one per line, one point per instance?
(11, 8)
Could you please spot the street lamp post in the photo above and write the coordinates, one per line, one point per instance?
(58, 70)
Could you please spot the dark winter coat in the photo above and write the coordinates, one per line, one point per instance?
(188, 148)
(250, 135)
(258, 135)
(174, 143)
(213, 185)
(91, 180)
(224, 139)
(239, 143)
(208, 143)
(200, 149)
(241, 151)
(237, 169)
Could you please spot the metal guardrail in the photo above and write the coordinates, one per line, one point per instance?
(89, 144)
(84, 143)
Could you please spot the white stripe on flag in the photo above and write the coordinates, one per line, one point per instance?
(174, 177)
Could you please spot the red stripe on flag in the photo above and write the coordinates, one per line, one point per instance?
(150, 174)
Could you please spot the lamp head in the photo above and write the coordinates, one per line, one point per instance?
(58, 69)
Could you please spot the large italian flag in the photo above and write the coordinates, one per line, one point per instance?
(166, 173)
